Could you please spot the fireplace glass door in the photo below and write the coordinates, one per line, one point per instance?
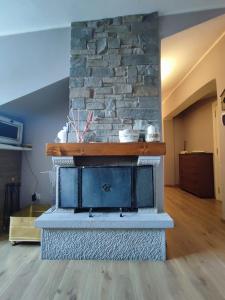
(128, 187)
(68, 187)
(106, 187)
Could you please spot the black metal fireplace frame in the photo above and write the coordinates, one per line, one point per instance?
(133, 207)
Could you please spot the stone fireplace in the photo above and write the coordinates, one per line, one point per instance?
(109, 195)
(115, 73)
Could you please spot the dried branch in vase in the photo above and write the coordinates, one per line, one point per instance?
(74, 122)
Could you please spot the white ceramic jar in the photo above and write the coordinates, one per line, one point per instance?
(152, 134)
(62, 135)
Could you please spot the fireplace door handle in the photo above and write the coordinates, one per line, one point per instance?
(106, 187)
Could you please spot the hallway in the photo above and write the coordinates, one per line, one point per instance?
(198, 227)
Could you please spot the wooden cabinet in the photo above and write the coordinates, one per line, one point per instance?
(196, 174)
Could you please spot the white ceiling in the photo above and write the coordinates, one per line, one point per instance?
(184, 49)
(34, 15)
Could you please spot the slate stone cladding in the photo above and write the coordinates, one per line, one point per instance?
(115, 73)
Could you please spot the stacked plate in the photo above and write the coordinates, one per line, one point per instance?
(128, 136)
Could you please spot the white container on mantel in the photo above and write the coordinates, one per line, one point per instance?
(152, 134)
(62, 135)
(128, 136)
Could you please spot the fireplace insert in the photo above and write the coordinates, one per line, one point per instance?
(105, 187)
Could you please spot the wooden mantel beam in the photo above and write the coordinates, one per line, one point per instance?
(106, 149)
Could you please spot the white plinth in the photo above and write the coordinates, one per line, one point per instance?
(105, 236)
(69, 219)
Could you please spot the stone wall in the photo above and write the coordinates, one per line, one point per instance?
(115, 73)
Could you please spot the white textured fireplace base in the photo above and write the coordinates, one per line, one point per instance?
(106, 236)
(103, 244)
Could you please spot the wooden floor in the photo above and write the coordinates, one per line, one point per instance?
(195, 268)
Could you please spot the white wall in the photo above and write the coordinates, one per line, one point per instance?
(41, 129)
(25, 15)
(32, 61)
(43, 113)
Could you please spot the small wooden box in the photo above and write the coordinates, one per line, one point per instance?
(22, 227)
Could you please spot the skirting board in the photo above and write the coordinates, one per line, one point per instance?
(103, 244)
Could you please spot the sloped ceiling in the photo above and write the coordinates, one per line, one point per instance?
(34, 105)
(184, 49)
(35, 35)
(31, 15)
(31, 61)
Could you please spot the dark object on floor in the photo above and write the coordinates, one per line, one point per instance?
(11, 202)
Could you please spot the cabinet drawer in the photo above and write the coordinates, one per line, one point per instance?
(190, 172)
(189, 185)
(106, 187)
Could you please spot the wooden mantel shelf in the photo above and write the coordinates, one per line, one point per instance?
(106, 149)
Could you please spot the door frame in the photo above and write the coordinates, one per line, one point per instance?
(216, 150)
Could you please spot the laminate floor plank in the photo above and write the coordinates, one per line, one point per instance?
(195, 268)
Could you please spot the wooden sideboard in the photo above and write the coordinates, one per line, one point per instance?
(196, 174)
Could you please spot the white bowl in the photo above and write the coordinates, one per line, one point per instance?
(128, 136)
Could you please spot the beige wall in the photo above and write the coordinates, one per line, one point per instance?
(168, 131)
(173, 137)
(209, 69)
(193, 126)
(178, 144)
(198, 127)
